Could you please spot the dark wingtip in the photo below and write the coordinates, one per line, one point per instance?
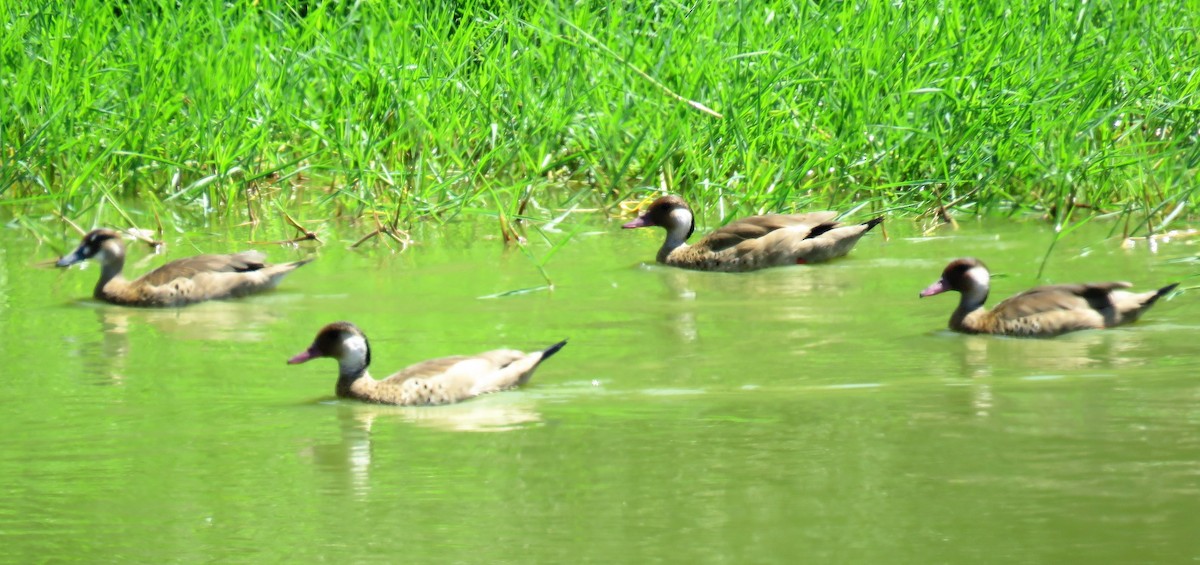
(820, 229)
(1165, 290)
(550, 351)
(303, 262)
(873, 222)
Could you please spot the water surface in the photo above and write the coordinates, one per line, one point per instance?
(817, 413)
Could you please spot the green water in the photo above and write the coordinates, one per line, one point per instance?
(805, 414)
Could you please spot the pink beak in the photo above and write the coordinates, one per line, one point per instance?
(640, 222)
(306, 355)
(935, 288)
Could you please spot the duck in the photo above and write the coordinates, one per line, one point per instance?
(752, 243)
(445, 380)
(180, 282)
(1044, 311)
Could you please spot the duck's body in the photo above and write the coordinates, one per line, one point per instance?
(1044, 311)
(444, 380)
(180, 282)
(751, 243)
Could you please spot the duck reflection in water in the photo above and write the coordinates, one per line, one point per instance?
(983, 356)
(1086, 354)
(106, 354)
(211, 321)
(693, 301)
(349, 460)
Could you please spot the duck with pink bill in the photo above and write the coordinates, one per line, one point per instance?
(752, 243)
(1044, 311)
(180, 282)
(444, 380)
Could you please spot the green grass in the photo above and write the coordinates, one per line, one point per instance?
(427, 112)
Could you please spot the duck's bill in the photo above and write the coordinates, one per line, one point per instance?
(71, 258)
(935, 288)
(640, 222)
(306, 355)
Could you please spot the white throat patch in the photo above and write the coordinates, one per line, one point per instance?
(681, 218)
(355, 348)
(978, 291)
(979, 276)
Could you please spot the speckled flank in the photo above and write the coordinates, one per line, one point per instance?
(460, 379)
(180, 282)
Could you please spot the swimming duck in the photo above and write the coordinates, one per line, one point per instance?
(180, 282)
(751, 243)
(444, 380)
(1044, 311)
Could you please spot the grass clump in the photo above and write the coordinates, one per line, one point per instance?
(434, 109)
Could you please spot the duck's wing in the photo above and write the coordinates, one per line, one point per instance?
(790, 245)
(190, 267)
(756, 227)
(425, 369)
(1066, 305)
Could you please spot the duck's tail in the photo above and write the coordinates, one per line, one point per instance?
(872, 223)
(516, 372)
(1161, 293)
(550, 351)
(276, 272)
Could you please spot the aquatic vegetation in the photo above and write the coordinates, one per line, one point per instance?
(426, 110)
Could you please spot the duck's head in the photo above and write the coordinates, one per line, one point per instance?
(342, 341)
(968, 276)
(670, 212)
(104, 245)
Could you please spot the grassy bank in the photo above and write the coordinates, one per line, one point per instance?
(241, 109)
